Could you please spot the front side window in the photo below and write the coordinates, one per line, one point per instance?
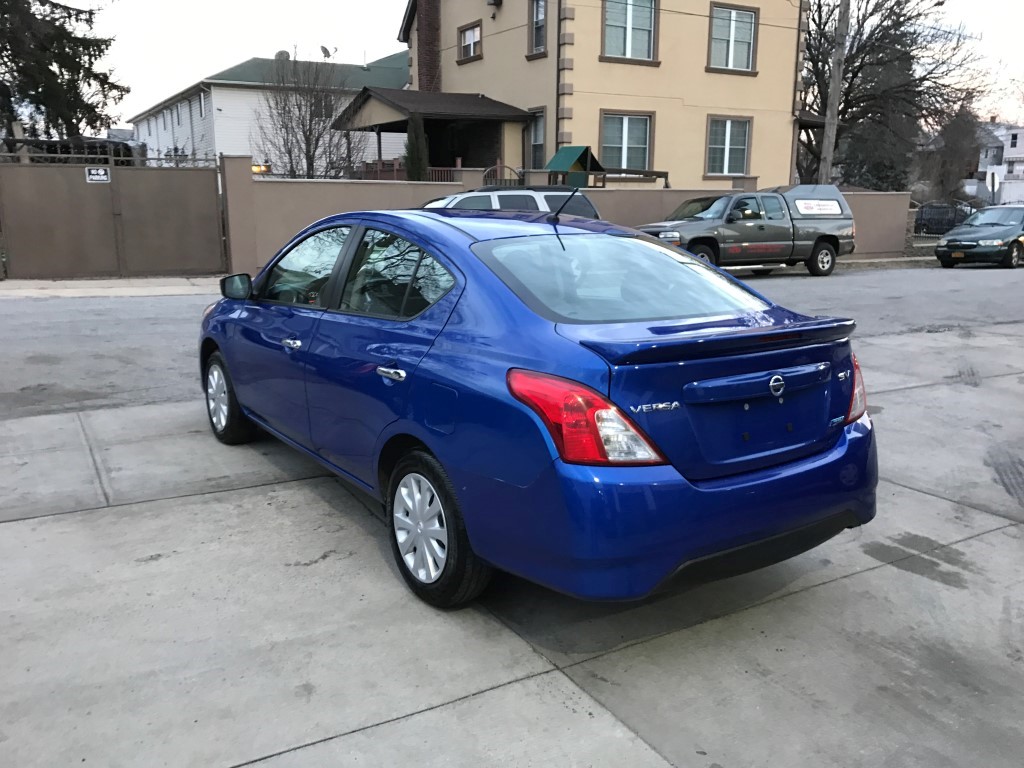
(537, 141)
(475, 203)
(597, 278)
(728, 146)
(302, 274)
(746, 208)
(732, 38)
(629, 29)
(470, 44)
(625, 140)
(393, 278)
(538, 26)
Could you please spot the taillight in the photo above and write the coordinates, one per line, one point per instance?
(859, 396)
(586, 428)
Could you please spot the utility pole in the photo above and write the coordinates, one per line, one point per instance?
(828, 143)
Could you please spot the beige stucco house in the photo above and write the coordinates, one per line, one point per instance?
(705, 90)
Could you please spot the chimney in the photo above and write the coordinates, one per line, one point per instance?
(992, 119)
(428, 44)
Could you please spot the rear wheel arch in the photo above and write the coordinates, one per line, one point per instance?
(391, 453)
(830, 239)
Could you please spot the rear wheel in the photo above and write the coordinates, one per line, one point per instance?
(704, 253)
(1013, 258)
(428, 537)
(823, 259)
(763, 271)
(227, 421)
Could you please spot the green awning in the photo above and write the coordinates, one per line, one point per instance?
(574, 159)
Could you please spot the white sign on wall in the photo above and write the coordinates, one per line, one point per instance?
(97, 175)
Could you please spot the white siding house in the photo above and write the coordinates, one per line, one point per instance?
(219, 114)
(1000, 177)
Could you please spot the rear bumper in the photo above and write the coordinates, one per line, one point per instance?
(618, 533)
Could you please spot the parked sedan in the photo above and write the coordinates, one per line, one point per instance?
(993, 235)
(567, 400)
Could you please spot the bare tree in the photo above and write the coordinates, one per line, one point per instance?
(903, 70)
(293, 130)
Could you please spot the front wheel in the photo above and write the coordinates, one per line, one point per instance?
(428, 536)
(704, 253)
(227, 421)
(1013, 258)
(947, 263)
(822, 261)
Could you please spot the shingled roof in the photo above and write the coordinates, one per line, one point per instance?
(435, 105)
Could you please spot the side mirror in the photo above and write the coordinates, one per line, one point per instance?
(730, 218)
(236, 286)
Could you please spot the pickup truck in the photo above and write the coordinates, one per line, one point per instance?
(809, 223)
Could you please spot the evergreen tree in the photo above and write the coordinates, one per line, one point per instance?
(416, 149)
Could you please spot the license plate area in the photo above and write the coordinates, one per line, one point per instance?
(958, 254)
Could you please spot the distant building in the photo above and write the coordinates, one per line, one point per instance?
(217, 115)
(1000, 176)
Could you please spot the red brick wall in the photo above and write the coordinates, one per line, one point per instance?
(428, 44)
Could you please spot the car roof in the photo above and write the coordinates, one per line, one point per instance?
(485, 225)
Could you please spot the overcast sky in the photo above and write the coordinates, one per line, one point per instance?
(163, 47)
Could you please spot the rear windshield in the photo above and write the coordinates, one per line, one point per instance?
(597, 278)
(578, 206)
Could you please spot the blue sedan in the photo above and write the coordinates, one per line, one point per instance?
(563, 399)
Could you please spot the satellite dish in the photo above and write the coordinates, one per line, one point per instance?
(325, 51)
(282, 56)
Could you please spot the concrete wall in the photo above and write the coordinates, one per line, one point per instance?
(881, 219)
(263, 214)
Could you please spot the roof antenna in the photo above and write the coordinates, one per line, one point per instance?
(553, 218)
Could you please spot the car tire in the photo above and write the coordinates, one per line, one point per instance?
(428, 536)
(763, 271)
(947, 263)
(704, 253)
(823, 259)
(1013, 259)
(227, 421)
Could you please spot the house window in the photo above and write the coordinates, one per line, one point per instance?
(177, 112)
(538, 27)
(1013, 140)
(1011, 167)
(470, 42)
(728, 146)
(202, 103)
(629, 29)
(625, 141)
(149, 126)
(163, 118)
(537, 141)
(322, 105)
(732, 38)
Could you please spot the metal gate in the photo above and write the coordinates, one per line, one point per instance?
(66, 221)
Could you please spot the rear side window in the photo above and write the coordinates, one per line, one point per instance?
(578, 206)
(517, 203)
(773, 209)
(475, 203)
(393, 278)
(596, 278)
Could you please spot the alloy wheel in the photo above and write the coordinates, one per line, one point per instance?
(217, 397)
(824, 260)
(420, 528)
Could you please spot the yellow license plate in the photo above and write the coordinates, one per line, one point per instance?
(958, 254)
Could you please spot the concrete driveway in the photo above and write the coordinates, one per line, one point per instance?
(166, 600)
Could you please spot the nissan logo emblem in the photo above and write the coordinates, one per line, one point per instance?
(777, 385)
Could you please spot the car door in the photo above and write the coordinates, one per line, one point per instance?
(744, 232)
(272, 332)
(395, 300)
(778, 228)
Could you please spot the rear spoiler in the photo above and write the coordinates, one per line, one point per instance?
(716, 342)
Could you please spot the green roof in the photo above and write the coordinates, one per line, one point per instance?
(390, 72)
(574, 159)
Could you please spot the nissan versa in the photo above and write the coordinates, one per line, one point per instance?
(559, 398)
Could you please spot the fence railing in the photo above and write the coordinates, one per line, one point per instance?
(93, 159)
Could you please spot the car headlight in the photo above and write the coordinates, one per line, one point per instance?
(673, 236)
(990, 242)
(943, 241)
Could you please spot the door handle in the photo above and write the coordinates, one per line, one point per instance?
(760, 226)
(291, 343)
(395, 374)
